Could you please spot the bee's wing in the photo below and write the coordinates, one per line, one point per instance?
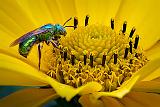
(30, 34)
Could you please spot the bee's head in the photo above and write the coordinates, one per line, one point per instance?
(60, 30)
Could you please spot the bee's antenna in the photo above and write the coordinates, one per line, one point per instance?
(68, 26)
(67, 21)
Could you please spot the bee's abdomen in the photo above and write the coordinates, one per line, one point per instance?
(25, 46)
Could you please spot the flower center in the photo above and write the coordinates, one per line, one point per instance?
(96, 53)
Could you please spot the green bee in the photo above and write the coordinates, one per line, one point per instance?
(49, 33)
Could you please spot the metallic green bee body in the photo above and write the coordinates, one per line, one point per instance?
(25, 46)
(49, 33)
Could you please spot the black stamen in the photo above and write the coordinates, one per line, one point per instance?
(70, 77)
(131, 61)
(85, 59)
(65, 55)
(136, 42)
(75, 22)
(115, 58)
(86, 20)
(61, 77)
(132, 32)
(61, 53)
(112, 23)
(80, 82)
(103, 60)
(136, 55)
(126, 53)
(124, 27)
(130, 44)
(91, 60)
(72, 59)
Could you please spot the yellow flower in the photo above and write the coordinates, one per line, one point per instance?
(19, 17)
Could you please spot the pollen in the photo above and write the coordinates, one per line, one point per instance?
(96, 53)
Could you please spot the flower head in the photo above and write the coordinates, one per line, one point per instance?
(93, 60)
(96, 53)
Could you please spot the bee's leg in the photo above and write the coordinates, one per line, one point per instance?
(55, 43)
(39, 55)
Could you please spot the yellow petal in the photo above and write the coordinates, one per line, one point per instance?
(141, 99)
(69, 92)
(138, 76)
(143, 15)
(100, 11)
(14, 18)
(153, 53)
(148, 86)
(32, 97)
(49, 11)
(67, 8)
(16, 71)
(37, 10)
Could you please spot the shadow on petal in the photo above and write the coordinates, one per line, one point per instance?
(89, 101)
(154, 51)
(141, 99)
(148, 86)
(32, 97)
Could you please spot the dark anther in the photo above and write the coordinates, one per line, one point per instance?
(112, 23)
(126, 53)
(65, 55)
(115, 58)
(132, 32)
(130, 44)
(91, 60)
(80, 82)
(85, 59)
(61, 77)
(86, 20)
(136, 42)
(136, 55)
(61, 53)
(103, 60)
(70, 77)
(75, 22)
(124, 27)
(131, 61)
(72, 59)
